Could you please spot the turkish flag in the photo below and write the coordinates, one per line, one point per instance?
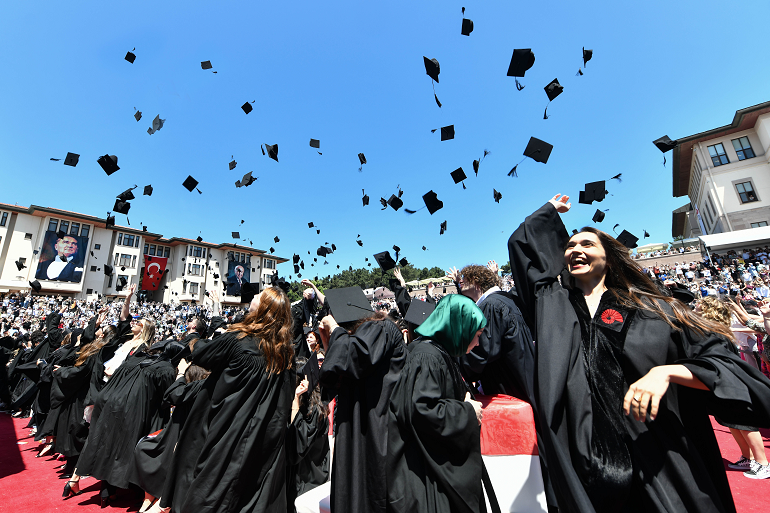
(154, 268)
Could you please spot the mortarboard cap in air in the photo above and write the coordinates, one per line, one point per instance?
(458, 175)
(190, 183)
(130, 57)
(311, 372)
(385, 261)
(522, 60)
(272, 151)
(126, 195)
(61, 234)
(443, 228)
(71, 159)
(362, 158)
(199, 238)
(315, 143)
(432, 68)
(587, 54)
(553, 89)
(432, 202)
(365, 199)
(272, 250)
(467, 27)
(36, 286)
(248, 291)
(348, 304)
(138, 115)
(276, 239)
(19, 264)
(206, 65)
(247, 107)
(447, 132)
(148, 190)
(665, 143)
(395, 202)
(497, 195)
(595, 191)
(232, 164)
(110, 221)
(236, 235)
(538, 150)
(403, 262)
(598, 216)
(107, 270)
(627, 239)
(109, 163)
(418, 311)
(121, 207)
(247, 180)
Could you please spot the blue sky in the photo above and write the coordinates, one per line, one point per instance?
(351, 74)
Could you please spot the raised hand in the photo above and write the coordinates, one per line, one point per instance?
(560, 203)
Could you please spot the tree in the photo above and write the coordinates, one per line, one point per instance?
(506, 268)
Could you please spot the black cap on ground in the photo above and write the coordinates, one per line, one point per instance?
(458, 175)
(247, 107)
(36, 286)
(598, 216)
(315, 143)
(126, 195)
(385, 261)
(553, 89)
(467, 27)
(432, 202)
(418, 311)
(190, 183)
(109, 163)
(522, 60)
(538, 150)
(395, 202)
(587, 54)
(206, 65)
(595, 191)
(432, 68)
(348, 304)
(665, 143)
(627, 239)
(272, 151)
(148, 190)
(130, 57)
(121, 207)
(71, 159)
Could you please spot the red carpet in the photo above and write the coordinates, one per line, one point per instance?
(31, 484)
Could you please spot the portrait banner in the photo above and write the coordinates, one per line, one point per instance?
(62, 259)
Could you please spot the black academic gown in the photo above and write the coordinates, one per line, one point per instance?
(434, 448)
(153, 454)
(304, 312)
(403, 299)
(363, 368)
(26, 390)
(129, 407)
(307, 455)
(63, 357)
(674, 461)
(231, 455)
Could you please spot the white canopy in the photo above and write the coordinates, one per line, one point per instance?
(653, 246)
(738, 239)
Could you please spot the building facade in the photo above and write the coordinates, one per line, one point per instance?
(725, 172)
(67, 251)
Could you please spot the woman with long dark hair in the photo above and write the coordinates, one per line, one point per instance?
(231, 455)
(625, 377)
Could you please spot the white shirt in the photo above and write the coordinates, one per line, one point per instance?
(56, 267)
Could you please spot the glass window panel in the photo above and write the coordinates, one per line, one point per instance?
(166, 252)
(146, 248)
(712, 151)
(749, 153)
(740, 187)
(53, 224)
(120, 239)
(152, 250)
(85, 230)
(724, 160)
(75, 229)
(737, 144)
(65, 225)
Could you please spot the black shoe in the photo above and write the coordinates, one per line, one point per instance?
(65, 476)
(68, 489)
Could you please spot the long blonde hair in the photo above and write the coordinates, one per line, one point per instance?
(271, 323)
(147, 335)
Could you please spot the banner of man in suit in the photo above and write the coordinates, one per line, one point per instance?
(62, 258)
(237, 273)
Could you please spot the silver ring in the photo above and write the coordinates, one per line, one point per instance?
(637, 399)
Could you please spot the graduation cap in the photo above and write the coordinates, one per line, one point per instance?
(122, 282)
(323, 251)
(595, 191)
(36, 286)
(385, 261)
(190, 183)
(348, 304)
(521, 61)
(272, 250)
(127, 195)
(365, 199)
(144, 228)
(71, 159)
(110, 221)
(157, 124)
(311, 372)
(443, 228)
(247, 107)
(276, 239)
(432, 68)
(447, 132)
(107, 270)
(360, 242)
(315, 143)
(467, 27)
(248, 291)
(121, 207)
(645, 234)
(19, 264)
(109, 163)
(665, 143)
(497, 195)
(61, 234)
(537, 150)
(138, 115)
(598, 216)
(236, 235)
(432, 202)
(148, 190)
(627, 239)
(130, 57)
(199, 238)
(206, 65)
(295, 258)
(403, 262)
(272, 151)
(587, 54)
(552, 90)
(232, 164)
(395, 202)
(458, 175)
(296, 269)
(418, 311)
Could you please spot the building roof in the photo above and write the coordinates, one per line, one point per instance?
(682, 158)
(678, 219)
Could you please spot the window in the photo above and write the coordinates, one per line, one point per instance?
(717, 153)
(743, 148)
(120, 239)
(193, 288)
(125, 261)
(75, 229)
(117, 256)
(136, 244)
(269, 264)
(133, 261)
(195, 270)
(96, 246)
(93, 268)
(757, 225)
(152, 249)
(85, 230)
(109, 281)
(53, 225)
(746, 192)
(166, 252)
(64, 226)
(184, 287)
(27, 236)
(89, 291)
(146, 248)
(128, 240)
(4, 219)
(197, 251)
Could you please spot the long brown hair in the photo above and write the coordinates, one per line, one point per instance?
(271, 324)
(89, 349)
(634, 289)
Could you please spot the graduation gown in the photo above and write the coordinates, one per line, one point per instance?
(434, 447)
(129, 407)
(153, 453)
(231, 455)
(363, 368)
(26, 389)
(64, 356)
(602, 461)
(307, 454)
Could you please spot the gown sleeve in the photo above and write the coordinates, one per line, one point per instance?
(215, 354)
(403, 299)
(490, 346)
(301, 435)
(89, 333)
(354, 356)
(68, 381)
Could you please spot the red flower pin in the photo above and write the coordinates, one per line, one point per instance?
(611, 316)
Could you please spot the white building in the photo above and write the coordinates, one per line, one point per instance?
(28, 235)
(725, 172)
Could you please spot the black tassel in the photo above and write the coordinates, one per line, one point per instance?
(518, 85)
(513, 171)
(545, 114)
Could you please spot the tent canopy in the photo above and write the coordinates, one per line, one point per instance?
(739, 239)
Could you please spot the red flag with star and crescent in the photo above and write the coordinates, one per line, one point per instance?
(154, 267)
